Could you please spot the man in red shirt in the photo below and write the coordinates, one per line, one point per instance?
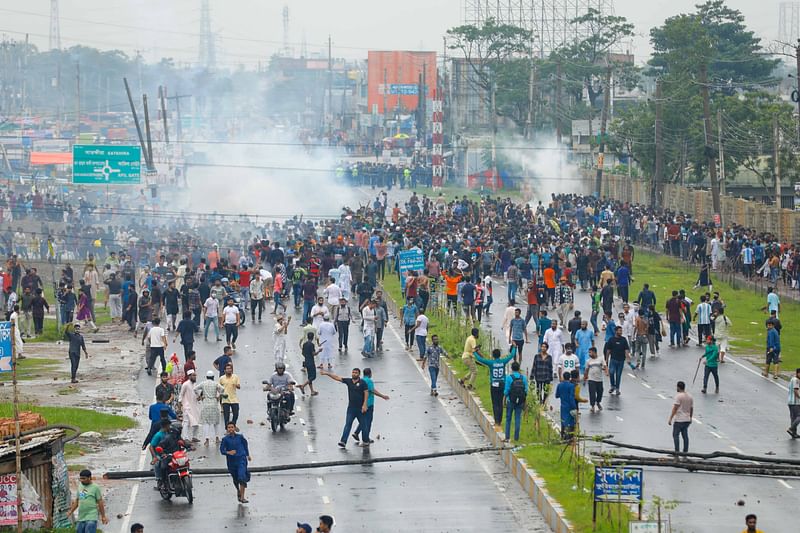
(533, 302)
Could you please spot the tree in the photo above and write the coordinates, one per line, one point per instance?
(486, 49)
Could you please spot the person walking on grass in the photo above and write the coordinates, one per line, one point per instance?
(432, 357)
(711, 356)
(471, 347)
(515, 391)
(89, 503)
(682, 413)
(773, 350)
(357, 398)
(497, 380)
(794, 404)
(237, 454)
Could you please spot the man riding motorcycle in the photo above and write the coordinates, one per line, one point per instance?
(282, 381)
(167, 439)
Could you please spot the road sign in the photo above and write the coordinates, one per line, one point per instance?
(618, 484)
(410, 260)
(5, 347)
(647, 526)
(106, 165)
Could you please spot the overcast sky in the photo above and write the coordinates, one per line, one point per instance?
(251, 30)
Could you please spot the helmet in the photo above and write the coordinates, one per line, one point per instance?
(280, 366)
(224, 280)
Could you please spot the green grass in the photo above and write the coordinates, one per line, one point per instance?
(85, 419)
(541, 447)
(30, 368)
(743, 304)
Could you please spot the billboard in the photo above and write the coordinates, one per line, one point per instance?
(393, 77)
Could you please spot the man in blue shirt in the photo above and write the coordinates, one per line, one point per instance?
(569, 407)
(515, 393)
(365, 425)
(497, 376)
(623, 282)
(544, 325)
(517, 333)
(773, 350)
(584, 339)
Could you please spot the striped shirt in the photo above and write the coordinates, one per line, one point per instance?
(703, 313)
(747, 255)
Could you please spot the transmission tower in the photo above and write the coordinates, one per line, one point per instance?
(55, 27)
(207, 55)
(550, 21)
(287, 51)
(789, 22)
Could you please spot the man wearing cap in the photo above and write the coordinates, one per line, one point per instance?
(303, 528)
(209, 393)
(190, 406)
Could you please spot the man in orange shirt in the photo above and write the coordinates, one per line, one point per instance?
(549, 275)
(452, 278)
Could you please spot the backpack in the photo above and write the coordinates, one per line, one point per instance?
(517, 393)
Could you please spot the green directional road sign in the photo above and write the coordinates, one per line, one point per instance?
(94, 164)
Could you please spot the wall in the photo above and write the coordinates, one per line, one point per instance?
(401, 68)
(764, 218)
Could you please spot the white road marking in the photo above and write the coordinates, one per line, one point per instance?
(298, 408)
(326, 500)
(715, 434)
(132, 500)
(737, 450)
(320, 482)
(619, 418)
(696, 421)
(661, 396)
(646, 385)
(755, 373)
(302, 422)
(782, 482)
(632, 375)
(310, 448)
(305, 433)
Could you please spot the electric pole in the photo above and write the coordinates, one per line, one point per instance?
(656, 194)
(161, 94)
(531, 115)
(776, 152)
(330, 87)
(135, 117)
(385, 92)
(598, 185)
(721, 154)
(709, 150)
(558, 104)
(149, 154)
(78, 99)
(797, 78)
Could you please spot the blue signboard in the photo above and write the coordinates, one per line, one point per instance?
(406, 89)
(618, 484)
(410, 260)
(5, 347)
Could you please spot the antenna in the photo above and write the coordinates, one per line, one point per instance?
(286, 50)
(54, 42)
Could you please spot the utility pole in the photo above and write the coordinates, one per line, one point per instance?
(656, 194)
(684, 149)
(78, 99)
(178, 127)
(330, 87)
(598, 184)
(493, 90)
(135, 118)
(531, 113)
(721, 154)
(797, 78)
(161, 95)
(709, 150)
(558, 104)
(776, 153)
(149, 154)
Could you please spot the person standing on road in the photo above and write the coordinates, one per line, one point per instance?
(616, 352)
(584, 341)
(565, 299)
(711, 356)
(256, 296)
(209, 393)
(515, 391)
(237, 454)
(555, 341)
(158, 343)
(674, 314)
(211, 312)
(420, 331)
(185, 330)
(721, 325)
(497, 380)
(230, 401)
(231, 320)
(682, 413)
(432, 357)
(702, 315)
(364, 427)
(542, 373)
(76, 344)
(342, 318)
(190, 406)
(593, 375)
(794, 404)
(327, 337)
(773, 350)
(357, 397)
(279, 335)
(369, 313)
(517, 334)
(89, 503)
(309, 350)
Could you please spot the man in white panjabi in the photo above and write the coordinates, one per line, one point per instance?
(190, 406)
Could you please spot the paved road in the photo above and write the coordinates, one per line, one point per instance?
(748, 416)
(468, 493)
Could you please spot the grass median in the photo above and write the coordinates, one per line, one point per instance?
(743, 305)
(567, 476)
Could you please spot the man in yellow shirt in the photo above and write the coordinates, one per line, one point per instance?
(468, 358)
(750, 520)
(230, 399)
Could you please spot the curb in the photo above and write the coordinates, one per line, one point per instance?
(532, 484)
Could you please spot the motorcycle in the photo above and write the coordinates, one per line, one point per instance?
(178, 474)
(278, 412)
(240, 303)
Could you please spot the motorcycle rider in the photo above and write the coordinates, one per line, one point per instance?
(282, 381)
(166, 439)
